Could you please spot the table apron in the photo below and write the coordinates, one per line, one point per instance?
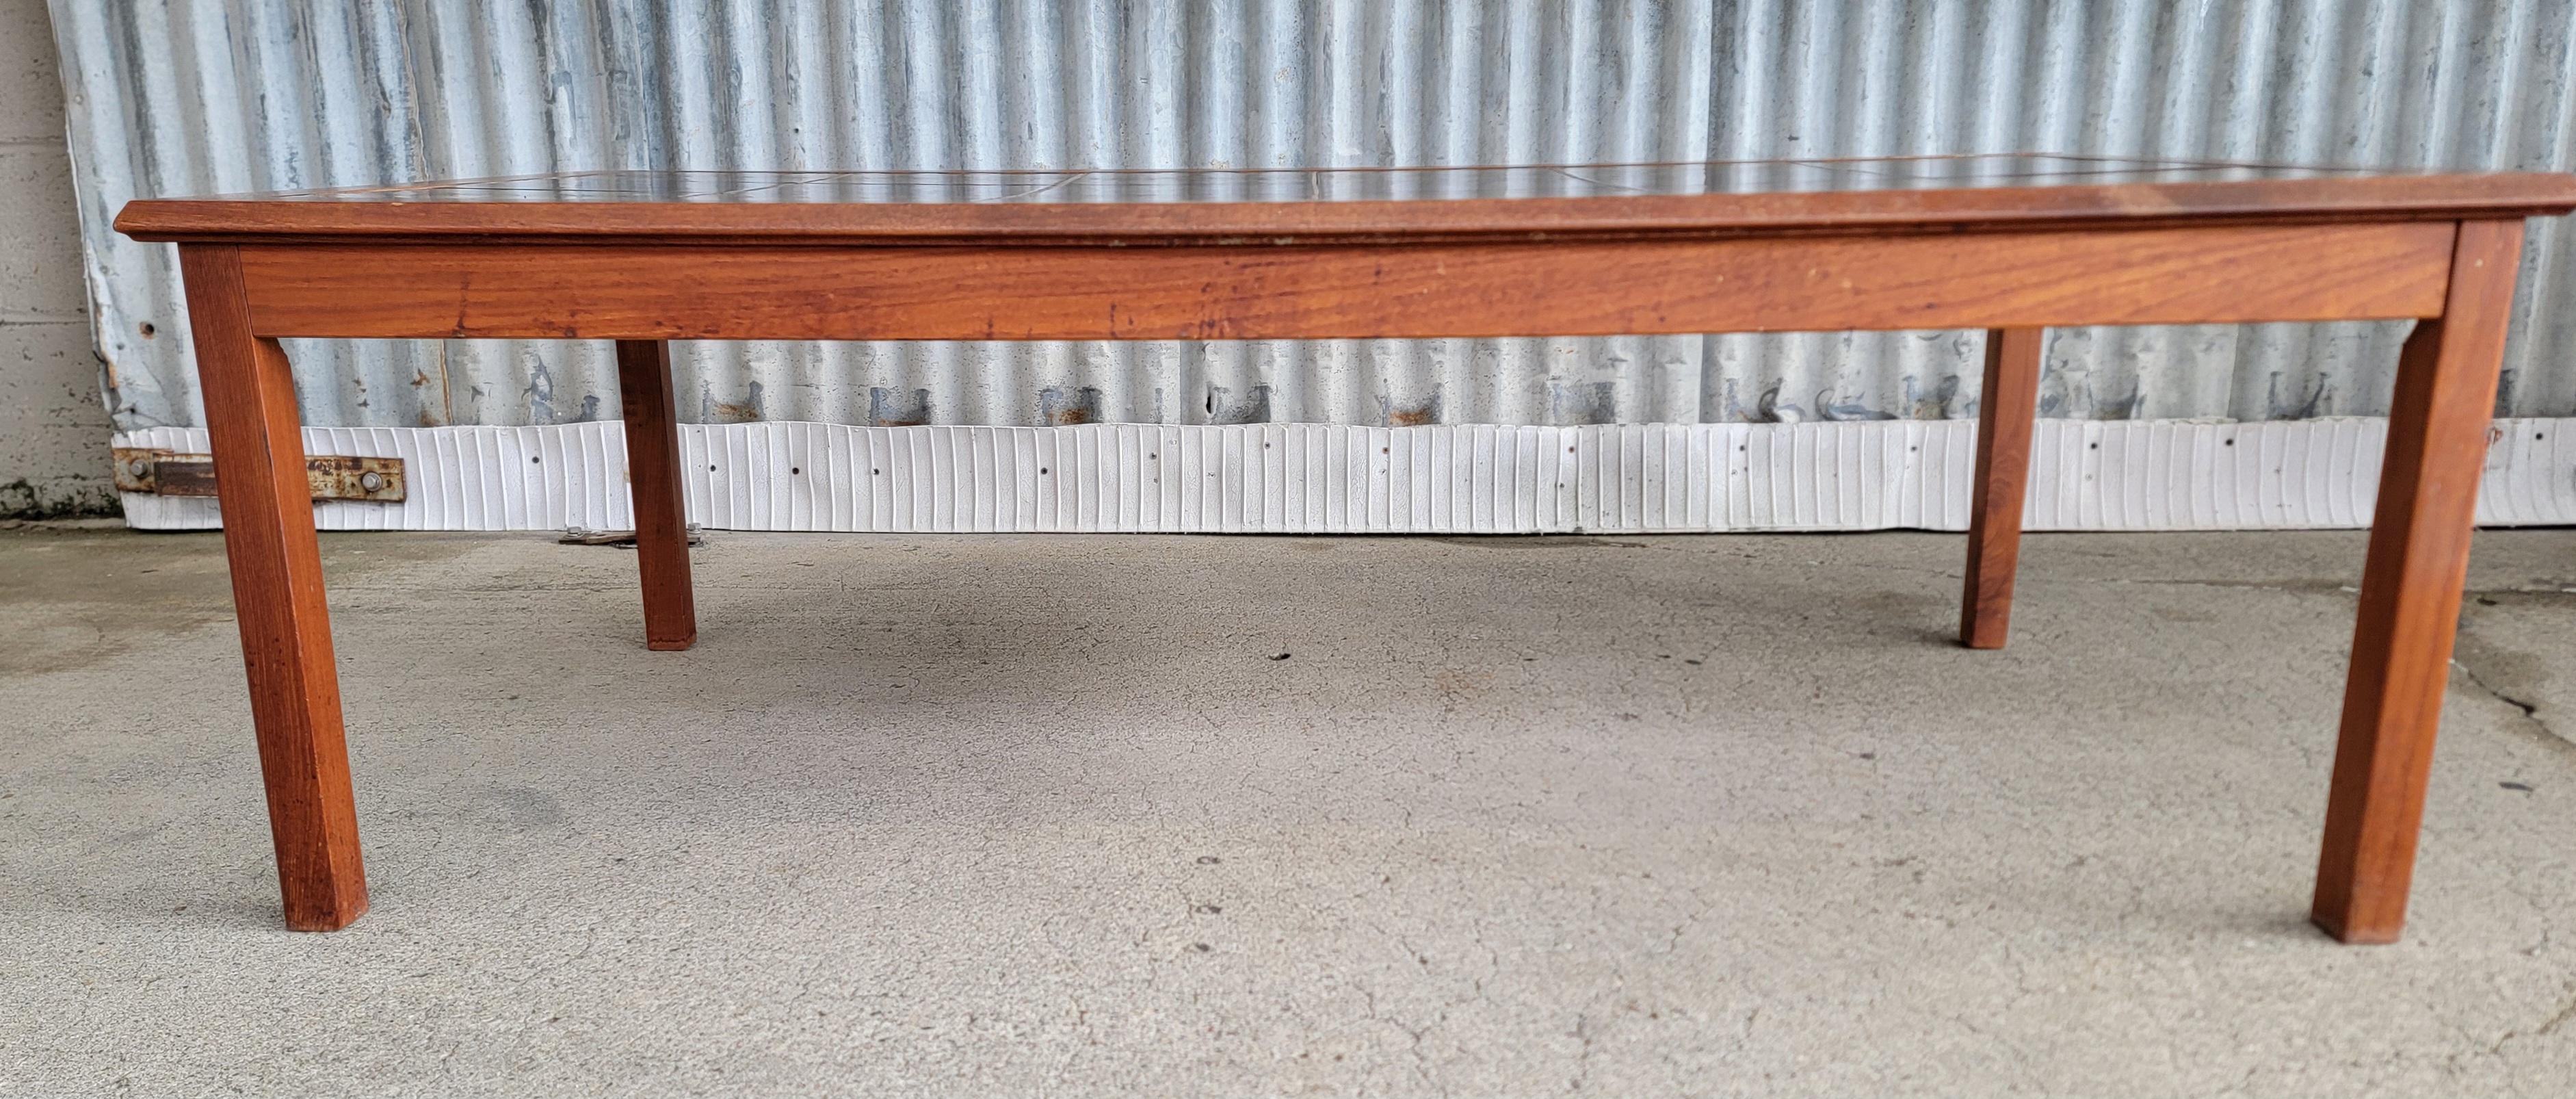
(2201, 274)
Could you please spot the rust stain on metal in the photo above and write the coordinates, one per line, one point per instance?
(1065, 406)
(1415, 414)
(331, 476)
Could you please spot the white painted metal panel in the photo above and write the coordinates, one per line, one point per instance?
(1347, 479)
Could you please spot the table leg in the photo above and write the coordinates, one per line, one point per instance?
(2005, 410)
(653, 468)
(277, 595)
(2410, 590)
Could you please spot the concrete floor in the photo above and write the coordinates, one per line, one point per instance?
(1092, 816)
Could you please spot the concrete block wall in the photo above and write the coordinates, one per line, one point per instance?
(53, 425)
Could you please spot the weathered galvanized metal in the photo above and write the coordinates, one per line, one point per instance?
(192, 96)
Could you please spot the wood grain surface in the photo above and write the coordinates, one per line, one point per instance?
(653, 468)
(2007, 409)
(2427, 197)
(2410, 591)
(277, 596)
(2014, 280)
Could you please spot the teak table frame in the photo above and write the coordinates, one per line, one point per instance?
(2442, 250)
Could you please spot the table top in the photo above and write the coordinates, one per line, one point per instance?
(1932, 193)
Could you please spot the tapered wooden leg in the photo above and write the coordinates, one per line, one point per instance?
(277, 595)
(2410, 590)
(2006, 409)
(653, 466)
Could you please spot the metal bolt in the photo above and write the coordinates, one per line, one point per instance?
(371, 481)
(137, 466)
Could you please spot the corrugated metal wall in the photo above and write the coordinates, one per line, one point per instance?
(174, 97)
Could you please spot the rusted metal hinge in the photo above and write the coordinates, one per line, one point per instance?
(333, 476)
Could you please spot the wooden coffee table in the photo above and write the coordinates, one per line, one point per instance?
(2009, 243)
